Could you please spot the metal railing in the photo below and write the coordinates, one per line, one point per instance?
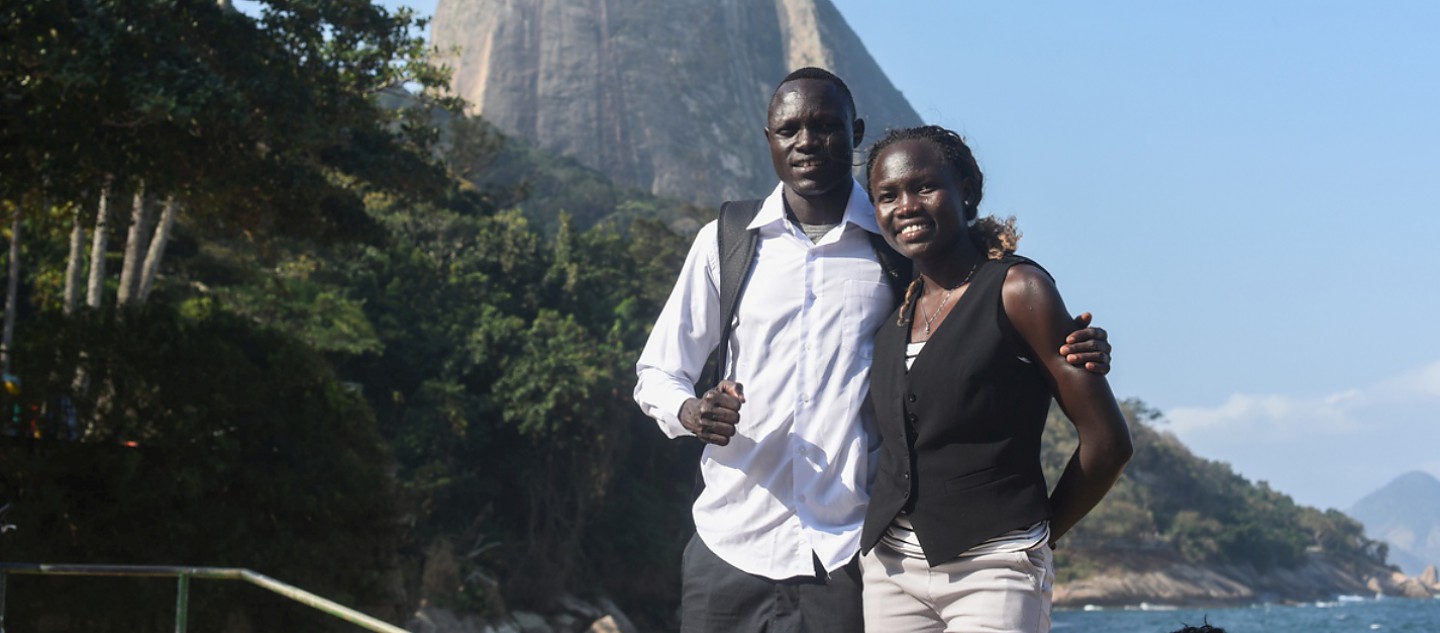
(182, 596)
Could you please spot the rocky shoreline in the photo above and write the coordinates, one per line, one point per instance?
(1165, 578)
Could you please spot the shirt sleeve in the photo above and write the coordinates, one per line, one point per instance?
(686, 332)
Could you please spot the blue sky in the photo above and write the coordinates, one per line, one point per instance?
(1245, 194)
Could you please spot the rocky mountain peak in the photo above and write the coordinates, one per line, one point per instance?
(663, 95)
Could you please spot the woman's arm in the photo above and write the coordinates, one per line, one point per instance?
(1034, 307)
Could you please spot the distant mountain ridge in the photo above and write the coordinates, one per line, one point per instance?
(667, 96)
(1405, 513)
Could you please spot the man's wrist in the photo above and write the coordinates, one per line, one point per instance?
(688, 414)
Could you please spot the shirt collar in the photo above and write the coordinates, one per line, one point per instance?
(858, 210)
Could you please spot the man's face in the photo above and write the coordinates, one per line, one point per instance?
(812, 134)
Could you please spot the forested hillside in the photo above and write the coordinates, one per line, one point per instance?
(1170, 497)
(270, 310)
(260, 320)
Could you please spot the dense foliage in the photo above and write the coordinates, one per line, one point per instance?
(504, 387)
(433, 407)
(222, 445)
(252, 120)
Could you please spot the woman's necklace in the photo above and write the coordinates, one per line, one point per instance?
(930, 318)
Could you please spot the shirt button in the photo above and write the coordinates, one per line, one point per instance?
(910, 398)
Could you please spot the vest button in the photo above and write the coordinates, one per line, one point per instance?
(910, 398)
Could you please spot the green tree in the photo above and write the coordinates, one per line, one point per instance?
(226, 445)
(503, 385)
(251, 126)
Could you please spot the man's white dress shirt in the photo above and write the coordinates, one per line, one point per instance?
(795, 477)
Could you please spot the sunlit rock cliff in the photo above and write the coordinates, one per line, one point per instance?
(664, 95)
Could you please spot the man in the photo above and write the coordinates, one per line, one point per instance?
(778, 521)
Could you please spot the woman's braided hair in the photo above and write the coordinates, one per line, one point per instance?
(993, 236)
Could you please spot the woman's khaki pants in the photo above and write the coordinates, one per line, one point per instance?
(1005, 592)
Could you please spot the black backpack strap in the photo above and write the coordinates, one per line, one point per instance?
(737, 253)
(899, 271)
(736, 243)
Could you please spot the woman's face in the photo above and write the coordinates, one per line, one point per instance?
(918, 204)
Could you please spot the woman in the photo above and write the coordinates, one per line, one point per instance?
(959, 531)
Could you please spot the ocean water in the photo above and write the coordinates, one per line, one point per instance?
(1347, 615)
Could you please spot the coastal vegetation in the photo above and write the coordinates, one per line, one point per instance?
(278, 305)
(1199, 510)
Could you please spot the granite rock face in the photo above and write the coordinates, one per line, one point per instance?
(667, 96)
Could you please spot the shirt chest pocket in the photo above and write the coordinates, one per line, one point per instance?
(866, 306)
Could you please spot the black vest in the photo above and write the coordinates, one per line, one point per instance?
(961, 430)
